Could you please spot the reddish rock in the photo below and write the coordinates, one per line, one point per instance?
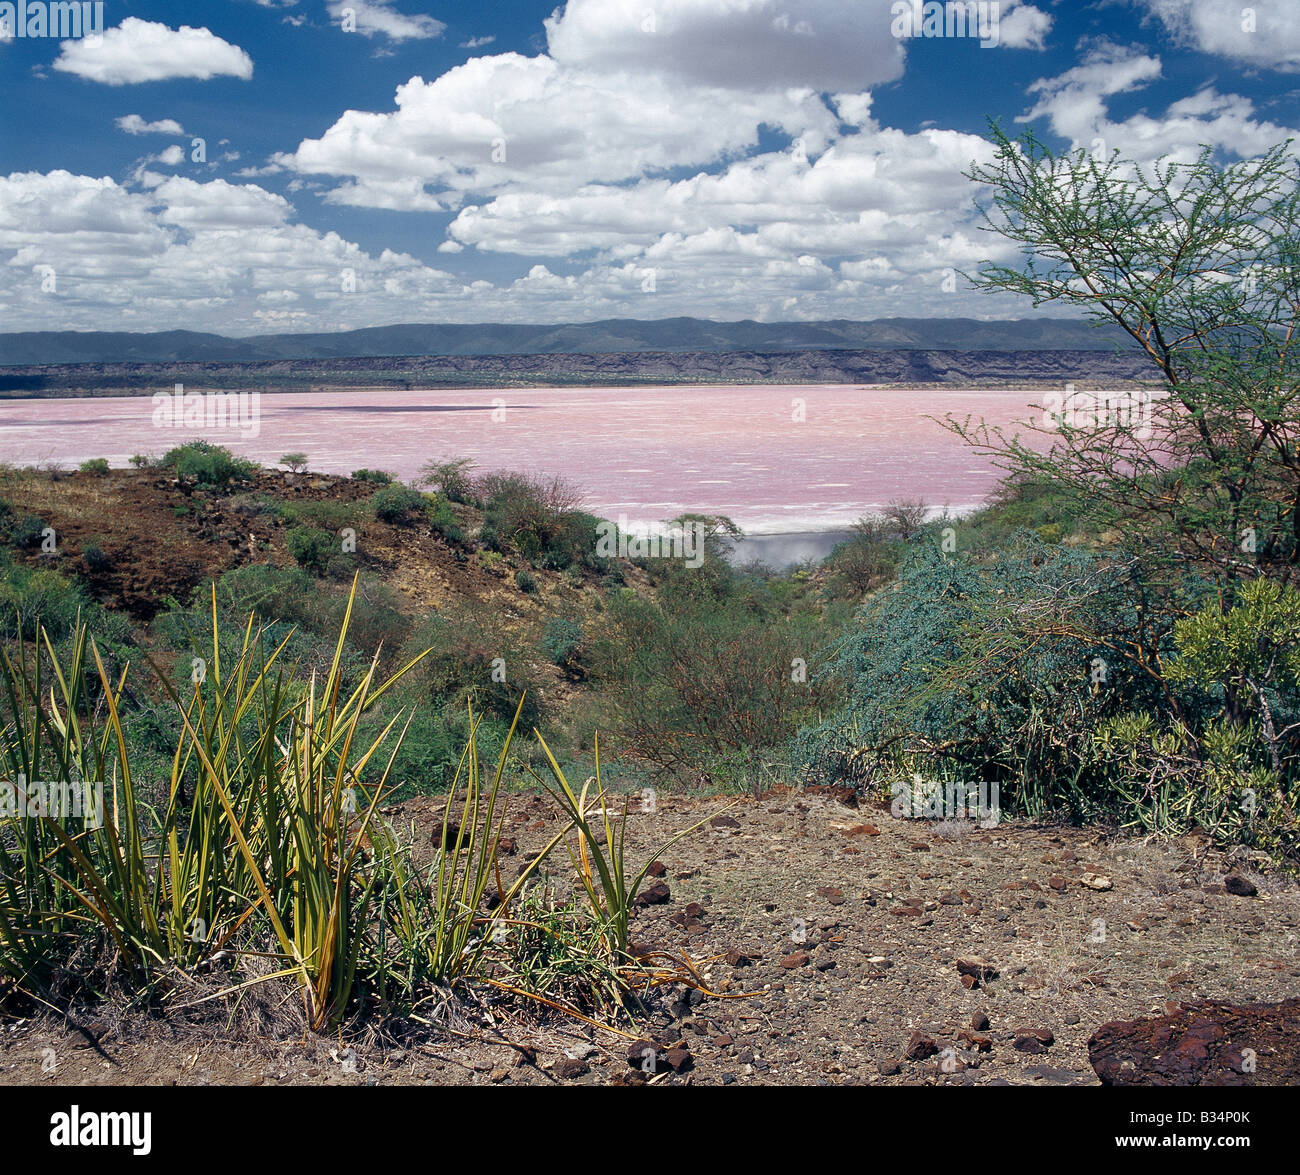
(570, 1068)
(653, 895)
(1210, 1043)
(862, 830)
(679, 1059)
(798, 959)
(976, 1040)
(657, 869)
(977, 968)
(1241, 886)
(920, 1046)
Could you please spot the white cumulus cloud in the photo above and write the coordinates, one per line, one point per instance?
(1264, 33)
(373, 18)
(146, 51)
(133, 124)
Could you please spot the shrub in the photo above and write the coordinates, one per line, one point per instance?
(327, 514)
(997, 671)
(684, 685)
(397, 504)
(377, 476)
(311, 547)
(30, 532)
(525, 581)
(452, 479)
(207, 464)
(96, 466)
(296, 462)
(562, 642)
(95, 558)
(527, 514)
(472, 658)
(445, 522)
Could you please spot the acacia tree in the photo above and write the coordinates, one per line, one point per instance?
(1197, 263)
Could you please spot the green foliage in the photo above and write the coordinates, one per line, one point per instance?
(1197, 262)
(685, 685)
(207, 464)
(97, 466)
(327, 513)
(1251, 651)
(398, 505)
(452, 479)
(376, 476)
(295, 461)
(311, 547)
(444, 522)
(562, 642)
(29, 532)
(525, 581)
(535, 517)
(96, 559)
(472, 659)
(994, 671)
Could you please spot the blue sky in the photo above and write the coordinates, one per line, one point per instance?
(366, 162)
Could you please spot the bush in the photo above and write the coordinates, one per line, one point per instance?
(562, 643)
(30, 598)
(998, 671)
(688, 685)
(376, 476)
(296, 462)
(96, 466)
(525, 581)
(529, 515)
(95, 557)
(445, 523)
(398, 504)
(311, 547)
(30, 532)
(326, 514)
(472, 658)
(207, 464)
(452, 479)
(287, 594)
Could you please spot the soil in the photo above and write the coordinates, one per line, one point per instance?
(844, 947)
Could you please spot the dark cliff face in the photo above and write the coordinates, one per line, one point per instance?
(903, 367)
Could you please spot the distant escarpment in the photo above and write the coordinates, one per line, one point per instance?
(895, 366)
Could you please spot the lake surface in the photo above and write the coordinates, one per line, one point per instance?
(780, 461)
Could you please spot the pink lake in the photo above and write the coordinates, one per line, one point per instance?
(776, 459)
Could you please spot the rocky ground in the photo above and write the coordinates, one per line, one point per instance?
(850, 947)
